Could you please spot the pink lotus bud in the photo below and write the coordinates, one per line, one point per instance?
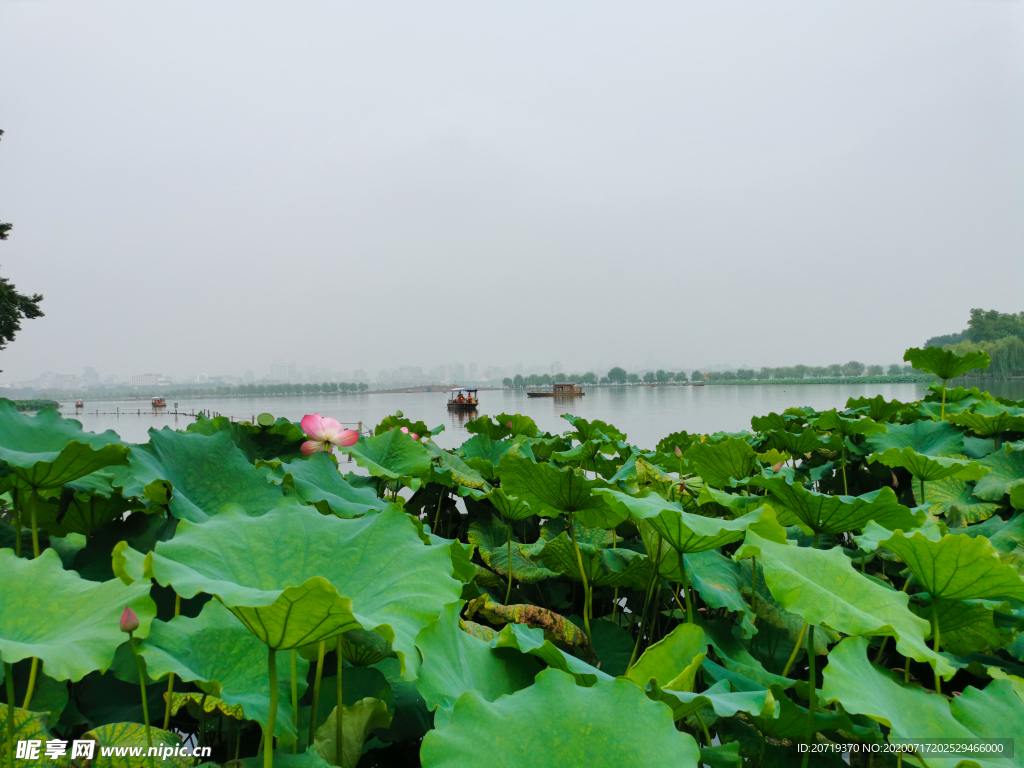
(509, 425)
(406, 430)
(776, 467)
(679, 453)
(129, 621)
(414, 436)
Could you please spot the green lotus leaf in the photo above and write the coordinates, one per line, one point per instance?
(318, 482)
(582, 454)
(397, 421)
(283, 758)
(554, 626)
(681, 440)
(874, 534)
(953, 498)
(823, 588)
(392, 455)
(594, 430)
(964, 626)
(557, 724)
(28, 726)
(721, 463)
(911, 713)
(522, 426)
(451, 470)
(797, 443)
(455, 662)
(75, 630)
(531, 640)
(773, 421)
(1007, 472)
(966, 398)
(280, 574)
(194, 701)
(990, 419)
(196, 475)
(227, 661)
(823, 513)
(46, 450)
(792, 721)
(844, 427)
(995, 712)
(877, 408)
(929, 468)
(944, 363)
(598, 537)
(485, 425)
(716, 503)
(719, 582)
(483, 454)
(490, 537)
(720, 697)
(550, 491)
(358, 722)
(956, 567)
(932, 438)
(1017, 496)
(81, 507)
(673, 661)
(653, 478)
(280, 439)
(510, 508)
(133, 735)
(603, 567)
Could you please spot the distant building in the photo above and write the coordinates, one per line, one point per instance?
(249, 377)
(146, 379)
(90, 376)
(279, 370)
(360, 377)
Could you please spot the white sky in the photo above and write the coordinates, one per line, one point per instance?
(208, 186)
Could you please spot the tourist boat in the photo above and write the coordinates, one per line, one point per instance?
(79, 404)
(698, 384)
(561, 389)
(159, 402)
(464, 399)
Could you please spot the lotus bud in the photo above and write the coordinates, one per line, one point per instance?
(414, 436)
(129, 621)
(679, 453)
(406, 430)
(509, 425)
(776, 467)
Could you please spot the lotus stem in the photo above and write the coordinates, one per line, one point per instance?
(812, 700)
(796, 649)
(17, 521)
(238, 739)
(9, 675)
(942, 417)
(170, 677)
(142, 686)
(921, 481)
(703, 727)
(295, 698)
(35, 527)
(321, 652)
(339, 720)
(753, 586)
(31, 683)
(906, 670)
(268, 733)
(935, 624)
(586, 585)
(881, 648)
(647, 602)
(508, 592)
(846, 490)
(202, 721)
(686, 591)
(615, 599)
(437, 514)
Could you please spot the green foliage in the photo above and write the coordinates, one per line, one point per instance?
(945, 364)
(498, 604)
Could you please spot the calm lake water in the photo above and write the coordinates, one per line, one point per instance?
(646, 414)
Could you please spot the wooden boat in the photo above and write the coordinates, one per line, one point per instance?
(79, 404)
(159, 402)
(698, 383)
(561, 389)
(464, 399)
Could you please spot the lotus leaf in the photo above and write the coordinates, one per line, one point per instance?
(823, 588)
(75, 629)
(397, 421)
(965, 626)
(358, 722)
(718, 503)
(508, 507)
(483, 454)
(720, 697)
(797, 443)
(844, 427)
(531, 640)
(280, 574)
(550, 491)
(774, 421)
(556, 723)
(877, 408)
(282, 759)
(956, 567)
(932, 438)
(603, 567)
(491, 539)
(953, 497)
(226, 660)
(823, 513)
(719, 582)
(485, 425)
(944, 363)
(318, 482)
(133, 735)
(1007, 472)
(988, 419)
(81, 507)
(453, 471)
(196, 475)
(28, 726)
(912, 713)
(46, 450)
(280, 439)
(681, 440)
(554, 626)
(455, 662)
(1017, 497)
(392, 455)
(929, 468)
(673, 661)
(193, 701)
(721, 463)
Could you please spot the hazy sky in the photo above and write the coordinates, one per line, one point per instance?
(209, 186)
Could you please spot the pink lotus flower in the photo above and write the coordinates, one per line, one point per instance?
(129, 621)
(413, 435)
(324, 434)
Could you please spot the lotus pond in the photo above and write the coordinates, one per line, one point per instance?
(807, 591)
